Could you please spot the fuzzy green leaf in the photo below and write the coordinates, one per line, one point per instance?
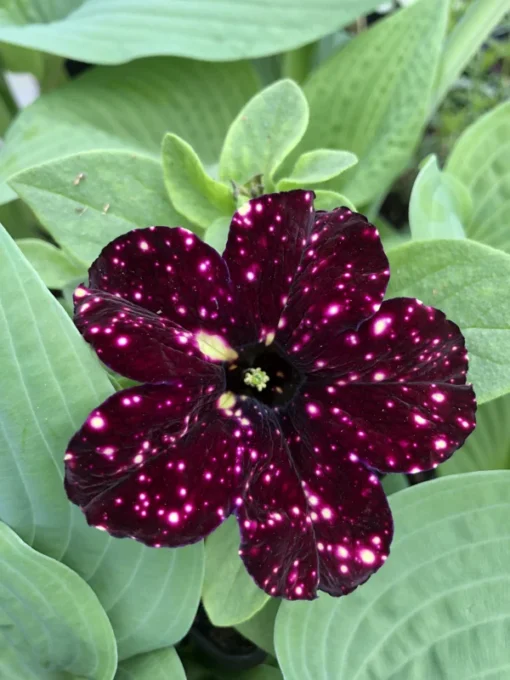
(315, 167)
(52, 264)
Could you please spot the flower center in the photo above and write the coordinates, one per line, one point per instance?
(264, 373)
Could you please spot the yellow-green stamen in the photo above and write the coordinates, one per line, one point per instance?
(256, 378)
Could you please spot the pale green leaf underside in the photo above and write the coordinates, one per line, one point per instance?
(115, 31)
(229, 594)
(162, 664)
(87, 200)
(438, 608)
(130, 107)
(50, 616)
(50, 382)
(481, 160)
(372, 97)
(317, 166)
(52, 264)
(264, 133)
(468, 282)
(433, 208)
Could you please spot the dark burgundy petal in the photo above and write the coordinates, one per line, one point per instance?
(351, 519)
(342, 280)
(277, 542)
(159, 463)
(393, 393)
(170, 272)
(265, 244)
(138, 343)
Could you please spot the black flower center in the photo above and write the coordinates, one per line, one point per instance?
(264, 373)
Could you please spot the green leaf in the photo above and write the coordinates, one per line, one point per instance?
(394, 483)
(230, 595)
(373, 96)
(52, 264)
(50, 615)
(264, 133)
(467, 37)
(50, 382)
(162, 664)
(390, 236)
(317, 166)
(488, 448)
(87, 200)
(194, 194)
(438, 608)
(111, 32)
(467, 281)
(434, 207)
(217, 234)
(130, 107)
(260, 628)
(481, 160)
(329, 200)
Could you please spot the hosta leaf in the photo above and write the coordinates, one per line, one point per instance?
(230, 595)
(87, 200)
(50, 616)
(317, 166)
(194, 194)
(481, 160)
(162, 664)
(438, 608)
(466, 280)
(434, 210)
(373, 96)
(113, 31)
(52, 264)
(264, 133)
(50, 382)
(130, 107)
(488, 448)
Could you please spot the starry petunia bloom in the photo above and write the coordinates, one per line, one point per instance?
(275, 383)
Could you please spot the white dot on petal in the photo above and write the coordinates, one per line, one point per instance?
(173, 517)
(97, 422)
(367, 556)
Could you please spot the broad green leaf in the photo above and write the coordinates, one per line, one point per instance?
(481, 160)
(51, 616)
(329, 200)
(217, 234)
(52, 264)
(198, 197)
(390, 236)
(438, 608)
(114, 31)
(87, 200)
(264, 133)
(467, 37)
(162, 664)
(433, 208)
(50, 382)
(130, 107)
(488, 448)
(467, 281)
(317, 166)
(230, 595)
(373, 96)
(260, 628)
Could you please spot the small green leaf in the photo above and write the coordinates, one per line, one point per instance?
(50, 616)
(481, 161)
(217, 234)
(162, 664)
(129, 107)
(329, 200)
(87, 200)
(260, 628)
(438, 608)
(390, 236)
(488, 448)
(466, 280)
(394, 483)
(373, 96)
(317, 166)
(434, 208)
(192, 192)
(264, 133)
(52, 264)
(230, 595)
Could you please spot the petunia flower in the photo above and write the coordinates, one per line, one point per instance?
(276, 382)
